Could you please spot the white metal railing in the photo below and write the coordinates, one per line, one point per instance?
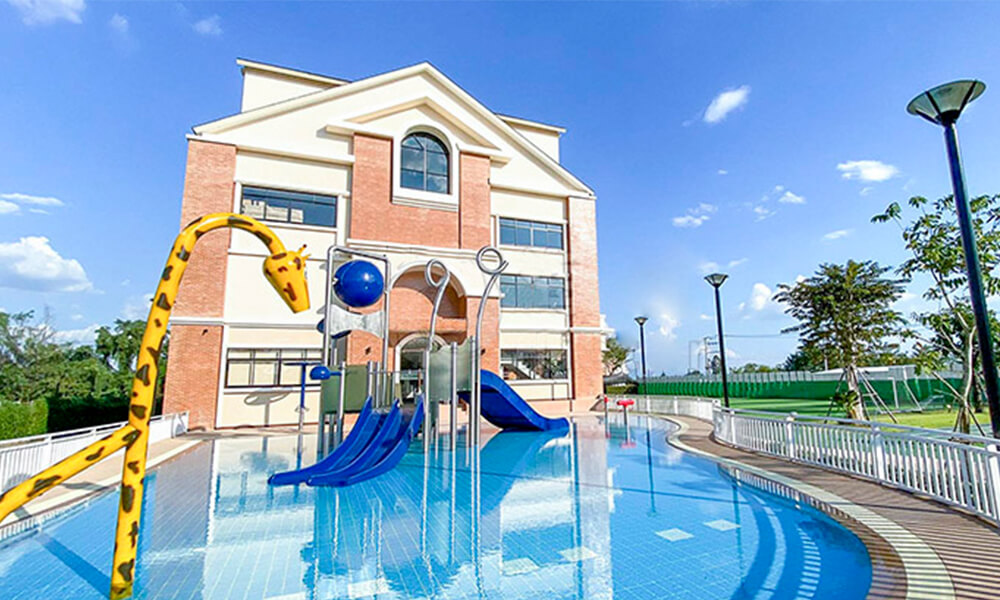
(23, 457)
(960, 470)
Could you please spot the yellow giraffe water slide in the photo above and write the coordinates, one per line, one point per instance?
(286, 272)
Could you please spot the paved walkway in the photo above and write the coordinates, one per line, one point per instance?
(938, 552)
(98, 478)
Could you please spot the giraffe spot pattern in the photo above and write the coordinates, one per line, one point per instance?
(128, 498)
(134, 533)
(166, 272)
(183, 254)
(133, 466)
(162, 302)
(143, 374)
(138, 410)
(290, 291)
(131, 436)
(195, 222)
(125, 570)
(96, 454)
(43, 484)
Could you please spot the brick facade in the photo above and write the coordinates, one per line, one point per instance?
(584, 299)
(193, 364)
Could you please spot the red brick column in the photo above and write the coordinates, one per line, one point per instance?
(584, 299)
(373, 214)
(491, 330)
(474, 201)
(194, 361)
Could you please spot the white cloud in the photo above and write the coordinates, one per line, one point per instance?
(836, 235)
(77, 317)
(32, 264)
(78, 337)
(722, 172)
(866, 190)
(708, 266)
(779, 188)
(696, 216)
(668, 325)
(867, 170)
(725, 103)
(704, 317)
(689, 221)
(762, 212)
(761, 303)
(8, 208)
(209, 26)
(137, 307)
(119, 23)
(33, 200)
(789, 198)
(40, 12)
(760, 295)
(737, 262)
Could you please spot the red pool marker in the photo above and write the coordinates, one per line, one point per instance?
(625, 403)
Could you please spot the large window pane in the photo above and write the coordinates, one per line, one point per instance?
(517, 232)
(525, 291)
(267, 367)
(424, 163)
(289, 207)
(533, 364)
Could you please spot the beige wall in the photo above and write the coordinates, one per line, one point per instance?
(261, 88)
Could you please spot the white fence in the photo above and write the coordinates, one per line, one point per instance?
(23, 457)
(960, 470)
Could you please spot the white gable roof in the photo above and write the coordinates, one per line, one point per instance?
(362, 105)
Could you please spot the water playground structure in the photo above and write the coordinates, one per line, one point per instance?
(385, 427)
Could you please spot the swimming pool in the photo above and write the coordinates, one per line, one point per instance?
(576, 516)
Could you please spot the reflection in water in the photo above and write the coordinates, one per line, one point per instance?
(529, 515)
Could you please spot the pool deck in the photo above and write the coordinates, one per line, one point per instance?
(920, 548)
(926, 550)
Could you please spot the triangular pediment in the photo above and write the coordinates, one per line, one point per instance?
(380, 104)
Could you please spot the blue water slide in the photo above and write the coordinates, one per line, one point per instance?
(506, 409)
(381, 455)
(356, 441)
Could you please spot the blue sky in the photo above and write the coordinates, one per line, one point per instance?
(753, 137)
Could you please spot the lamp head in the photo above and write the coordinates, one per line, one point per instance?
(641, 320)
(943, 104)
(716, 279)
(287, 273)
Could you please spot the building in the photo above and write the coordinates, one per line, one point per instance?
(405, 163)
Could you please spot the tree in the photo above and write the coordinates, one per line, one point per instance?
(615, 356)
(752, 367)
(845, 312)
(934, 242)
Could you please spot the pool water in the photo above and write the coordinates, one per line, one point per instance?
(582, 515)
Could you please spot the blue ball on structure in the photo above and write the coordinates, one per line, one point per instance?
(358, 283)
(319, 372)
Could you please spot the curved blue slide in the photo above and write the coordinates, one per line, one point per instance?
(357, 440)
(506, 409)
(382, 454)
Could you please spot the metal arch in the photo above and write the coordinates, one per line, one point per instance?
(430, 417)
(441, 285)
(477, 392)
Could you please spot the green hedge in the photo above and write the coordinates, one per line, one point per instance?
(922, 388)
(75, 413)
(22, 420)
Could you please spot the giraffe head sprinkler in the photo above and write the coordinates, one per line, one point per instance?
(287, 273)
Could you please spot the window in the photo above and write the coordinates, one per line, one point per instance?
(424, 164)
(267, 368)
(533, 364)
(515, 232)
(289, 207)
(525, 291)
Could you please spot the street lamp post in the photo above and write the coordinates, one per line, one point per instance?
(943, 105)
(641, 320)
(716, 280)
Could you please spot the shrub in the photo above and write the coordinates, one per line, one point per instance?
(25, 419)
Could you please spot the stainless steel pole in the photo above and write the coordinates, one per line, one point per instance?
(340, 403)
(453, 399)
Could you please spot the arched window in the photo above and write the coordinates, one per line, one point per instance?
(424, 164)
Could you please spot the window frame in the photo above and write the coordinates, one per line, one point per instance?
(335, 205)
(426, 172)
(279, 363)
(532, 291)
(565, 363)
(532, 227)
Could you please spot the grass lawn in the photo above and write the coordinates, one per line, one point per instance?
(931, 419)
